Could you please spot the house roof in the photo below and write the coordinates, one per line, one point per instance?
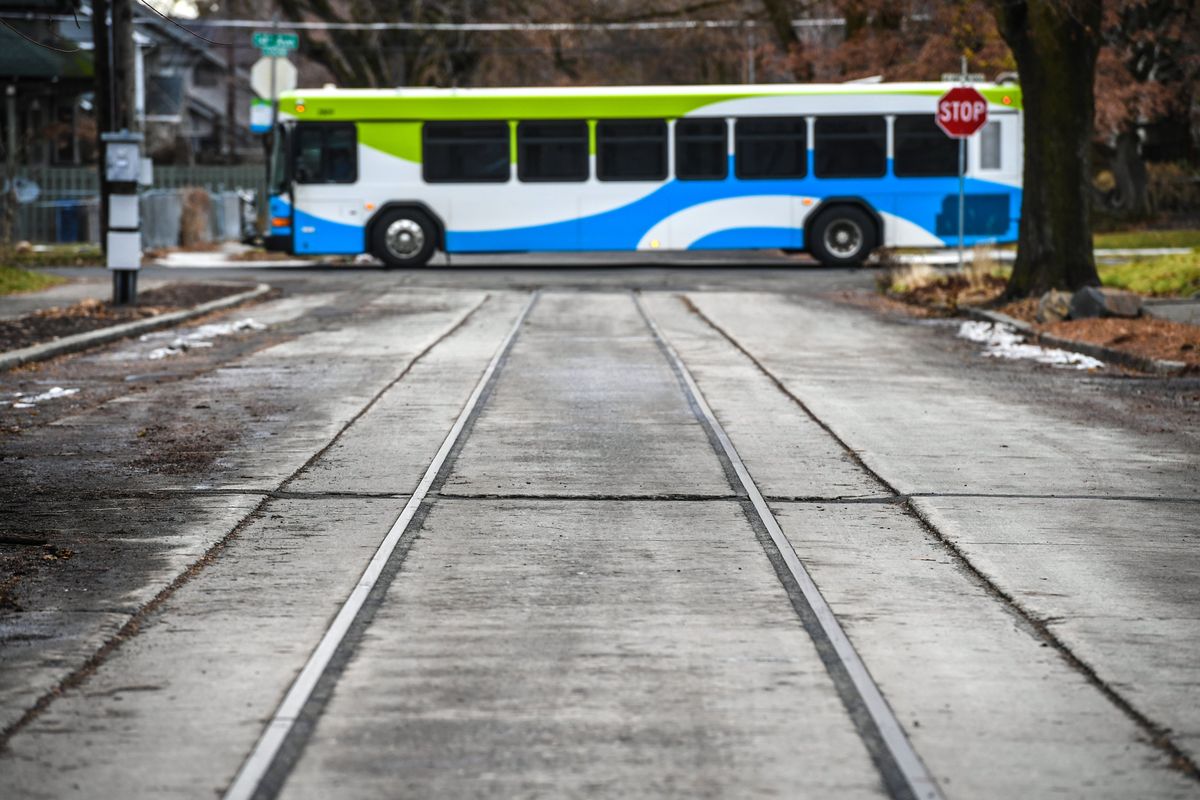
(21, 58)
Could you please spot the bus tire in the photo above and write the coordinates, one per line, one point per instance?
(404, 237)
(843, 236)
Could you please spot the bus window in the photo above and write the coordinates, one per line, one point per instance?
(771, 147)
(850, 147)
(326, 153)
(465, 152)
(552, 151)
(922, 149)
(631, 150)
(989, 146)
(701, 149)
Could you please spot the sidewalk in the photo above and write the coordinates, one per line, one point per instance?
(1185, 310)
(225, 258)
(948, 257)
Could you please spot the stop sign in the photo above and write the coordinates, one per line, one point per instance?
(961, 111)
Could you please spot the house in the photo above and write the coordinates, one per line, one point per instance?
(193, 97)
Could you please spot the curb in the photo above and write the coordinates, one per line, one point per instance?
(83, 341)
(1108, 355)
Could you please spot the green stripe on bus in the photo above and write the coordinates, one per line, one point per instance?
(331, 105)
(399, 139)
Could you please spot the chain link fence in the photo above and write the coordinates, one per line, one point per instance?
(67, 205)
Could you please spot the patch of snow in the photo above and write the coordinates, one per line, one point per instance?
(1004, 341)
(30, 400)
(200, 337)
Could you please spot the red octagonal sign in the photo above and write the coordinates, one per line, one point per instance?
(961, 111)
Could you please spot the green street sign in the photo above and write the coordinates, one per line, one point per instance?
(275, 44)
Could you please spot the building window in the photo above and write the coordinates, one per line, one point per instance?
(850, 147)
(631, 150)
(206, 77)
(552, 151)
(701, 149)
(922, 149)
(771, 147)
(326, 153)
(465, 152)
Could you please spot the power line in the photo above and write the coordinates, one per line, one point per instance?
(486, 27)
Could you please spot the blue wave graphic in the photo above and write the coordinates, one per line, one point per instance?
(930, 203)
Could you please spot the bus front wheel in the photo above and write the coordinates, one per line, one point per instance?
(843, 236)
(405, 237)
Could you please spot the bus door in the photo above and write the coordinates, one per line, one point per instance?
(328, 215)
(278, 235)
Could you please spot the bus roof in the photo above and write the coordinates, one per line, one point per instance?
(582, 102)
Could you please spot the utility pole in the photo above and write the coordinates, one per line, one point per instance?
(230, 102)
(102, 57)
(122, 159)
(10, 161)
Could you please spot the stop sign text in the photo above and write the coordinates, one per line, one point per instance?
(961, 111)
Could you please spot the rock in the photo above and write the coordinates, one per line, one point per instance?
(1094, 301)
(1055, 306)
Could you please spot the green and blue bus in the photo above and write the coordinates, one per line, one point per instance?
(837, 170)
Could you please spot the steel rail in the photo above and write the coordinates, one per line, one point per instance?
(246, 783)
(918, 783)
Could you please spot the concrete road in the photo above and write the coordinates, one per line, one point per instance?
(658, 531)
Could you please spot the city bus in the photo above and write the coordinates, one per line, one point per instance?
(836, 170)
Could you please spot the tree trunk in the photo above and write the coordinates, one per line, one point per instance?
(1131, 197)
(779, 14)
(1055, 43)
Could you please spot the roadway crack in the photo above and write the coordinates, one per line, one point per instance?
(133, 625)
(1158, 735)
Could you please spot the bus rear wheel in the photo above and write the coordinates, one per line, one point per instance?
(842, 236)
(404, 237)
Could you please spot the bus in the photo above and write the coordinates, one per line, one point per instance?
(836, 170)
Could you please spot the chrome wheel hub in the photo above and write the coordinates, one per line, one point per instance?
(843, 238)
(404, 238)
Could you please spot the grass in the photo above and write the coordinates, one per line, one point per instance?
(15, 279)
(1164, 276)
(1187, 237)
(57, 255)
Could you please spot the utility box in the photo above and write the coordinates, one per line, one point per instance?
(124, 250)
(122, 157)
(123, 211)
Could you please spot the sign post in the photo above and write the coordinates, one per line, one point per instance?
(275, 46)
(960, 113)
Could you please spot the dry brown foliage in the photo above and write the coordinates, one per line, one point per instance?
(195, 222)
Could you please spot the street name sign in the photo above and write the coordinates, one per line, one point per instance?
(961, 111)
(275, 45)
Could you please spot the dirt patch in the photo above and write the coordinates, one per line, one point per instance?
(1144, 336)
(89, 315)
(261, 255)
(885, 304)
(1024, 310)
